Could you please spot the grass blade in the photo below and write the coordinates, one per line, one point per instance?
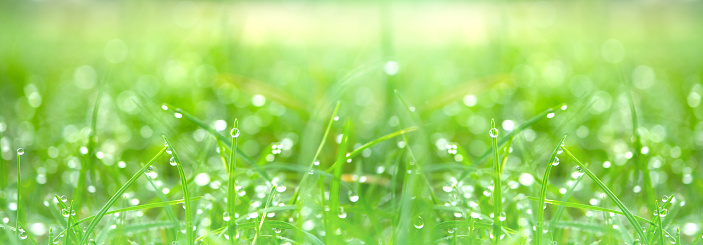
(609, 193)
(231, 186)
(505, 139)
(358, 151)
(335, 185)
(497, 197)
(186, 196)
(263, 215)
(543, 191)
(117, 195)
(296, 194)
(223, 138)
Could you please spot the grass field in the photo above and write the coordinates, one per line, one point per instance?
(386, 122)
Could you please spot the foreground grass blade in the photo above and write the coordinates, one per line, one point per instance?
(117, 195)
(223, 138)
(609, 193)
(294, 200)
(335, 186)
(543, 191)
(186, 196)
(231, 187)
(263, 215)
(358, 151)
(497, 197)
(505, 139)
(27, 233)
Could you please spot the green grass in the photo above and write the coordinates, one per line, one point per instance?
(355, 123)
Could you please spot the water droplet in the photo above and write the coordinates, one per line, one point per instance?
(64, 199)
(65, 212)
(550, 115)
(663, 213)
(502, 216)
(665, 198)
(22, 235)
(336, 118)
(225, 216)
(418, 222)
(164, 107)
(493, 132)
(579, 169)
(20, 151)
(555, 161)
(354, 198)
(178, 115)
(563, 107)
(172, 161)
(234, 133)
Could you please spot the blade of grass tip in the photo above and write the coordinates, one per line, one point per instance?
(335, 181)
(231, 186)
(63, 207)
(190, 229)
(659, 213)
(497, 197)
(24, 234)
(631, 218)
(93, 223)
(358, 151)
(263, 215)
(223, 138)
(505, 139)
(294, 200)
(543, 191)
(678, 236)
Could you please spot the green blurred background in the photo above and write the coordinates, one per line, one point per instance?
(280, 66)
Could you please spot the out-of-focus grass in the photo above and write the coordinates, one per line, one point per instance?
(281, 67)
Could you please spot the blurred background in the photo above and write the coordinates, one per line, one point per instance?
(281, 66)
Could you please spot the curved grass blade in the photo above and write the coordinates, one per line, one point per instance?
(223, 138)
(358, 151)
(117, 195)
(140, 207)
(543, 192)
(186, 196)
(263, 215)
(507, 137)
(609, 193)
(28, 233)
